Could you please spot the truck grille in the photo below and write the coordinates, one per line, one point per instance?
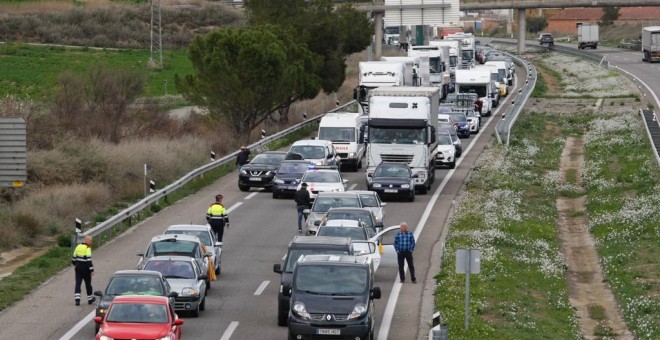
(342, 155)
(397, 158)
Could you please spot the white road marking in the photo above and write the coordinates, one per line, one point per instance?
(261, 288)
(234, 207)
(352, 186)
(75, 329)
(626, 59)
(384, 330)
(230, 329)
(251, 195)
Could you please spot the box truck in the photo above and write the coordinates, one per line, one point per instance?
(587, 35)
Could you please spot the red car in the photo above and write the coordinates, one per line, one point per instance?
(139, 317)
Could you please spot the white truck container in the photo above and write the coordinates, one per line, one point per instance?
(402, 128)
(373, 74)
(454, 53)
(651, 44)
(439, 73)
(468, 45)
(476, 81)
(587, 36)
(344, 129)
(410, 69)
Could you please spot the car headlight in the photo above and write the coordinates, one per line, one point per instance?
(243, 172)
(101, 311)
(104, 337)
(278, 181)
(376, 185)
(351, 155)
(405, 186)
(358, 311)
(319, 163)
(268, 173)
(299, 310)
(188, 292)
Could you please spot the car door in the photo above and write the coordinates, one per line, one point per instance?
(368, 249)
(385, 241)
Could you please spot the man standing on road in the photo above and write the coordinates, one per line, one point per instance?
(404, 244)
(82, 259)
(243, 156)
(217, 217)
(303, 201)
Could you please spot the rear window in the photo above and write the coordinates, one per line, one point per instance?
(323, 204)
(203, 236)
(364, 216)
(134, 285)
(183, 248)
(352, 232)
(172, 269)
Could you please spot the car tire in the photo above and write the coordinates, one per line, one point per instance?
(282, 318)
(195, 313)
(291, 336)
(275, 195)
(423, 190)
(208, 286)
(243, 187)
(217, 272)
(97, 328)
(202, 305)
(411, 197)
(452, 165)
(359, 166)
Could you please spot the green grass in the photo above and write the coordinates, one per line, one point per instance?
(34, 71)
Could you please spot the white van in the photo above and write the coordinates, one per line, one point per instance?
(317, 152)
(344, 129)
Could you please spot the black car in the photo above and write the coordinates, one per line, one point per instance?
(288, 177)
(393, 179)
(332, 297)
(132, 282)
(300, 246)
(260, 171)
(462, 127)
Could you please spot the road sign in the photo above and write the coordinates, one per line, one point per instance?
(468, 261)
(13, 150)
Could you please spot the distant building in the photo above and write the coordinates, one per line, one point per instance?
(563, 21)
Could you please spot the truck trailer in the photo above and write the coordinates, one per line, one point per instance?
(587, 36)
(651, 44)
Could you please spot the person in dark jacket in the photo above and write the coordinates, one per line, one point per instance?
(243, 156)
(303, 201)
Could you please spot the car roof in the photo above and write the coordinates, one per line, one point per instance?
(199, 227)
(132, 272)
(342, 223)
(182, 237)
(316, 240)
(163, 300)
(350, 209)
(317, 142)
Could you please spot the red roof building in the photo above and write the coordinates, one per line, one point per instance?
(564, 20)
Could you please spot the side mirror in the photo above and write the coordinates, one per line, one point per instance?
(98, 293)
(172, 294)
(218, 244)
(383, 204)
(306, 211)
(330, 156)
(344, 181)
(379, 224)
(178, 322)
(286, 291)
(139, 254)
(317, 223)
(204, 277)
(98, 319)
(433, 135)
(208, 254)
(370, 175)
(247, 161)
(415, 176)
(375, 293)
(277, 268)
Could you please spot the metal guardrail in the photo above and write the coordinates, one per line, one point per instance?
(146, 202)
(503, 128)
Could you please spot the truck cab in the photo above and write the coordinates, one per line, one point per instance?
(476, 81)
(373, 74)
(343, 129)
(439, 73)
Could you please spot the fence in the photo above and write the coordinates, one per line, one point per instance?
(127, 214)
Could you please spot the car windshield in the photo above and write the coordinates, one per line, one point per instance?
(364, 216)
(323, 204)
(203, 236)
(337, 134)
(331, 280)
(309, 151)
(293, 168)
(392, 29)
(444, 139)
(355, 233)
(369, 200)
(397, 135)
(480, 90)
(294, 256)
(391, 171)
(268, 158)
(321, 177)
(172, 247)
(459, 117)
(172, 269)
(138, 313)
(448, 129)
(134, 285)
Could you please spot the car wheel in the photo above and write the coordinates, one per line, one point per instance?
(217, 272)
(97, 328)
(202, 305)
(282, 316)
(411, 197)
(452, 164)
(195, 313)
(423, 190)
(291, 336)
(243, 187)
(275, 194)
(208, 286)
(359, 166)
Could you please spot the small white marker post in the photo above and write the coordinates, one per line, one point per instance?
(468, 261)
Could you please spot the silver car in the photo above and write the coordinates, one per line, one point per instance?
(184, 277)
(371, 200)
(206, 235)
(326, 200)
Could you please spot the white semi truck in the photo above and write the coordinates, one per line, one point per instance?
(468, 45)
(373, 74)
(477, 81)
(402, 128)
(454, 53)
(344, 129)
(587, 35)
(439, 73)
(651, 44)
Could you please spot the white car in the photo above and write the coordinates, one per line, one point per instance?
(322, 179)
(446, 151)
(474, 121)
(363, 242)
(206, 235)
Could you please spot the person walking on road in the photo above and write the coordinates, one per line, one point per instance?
(82, 260)
(217, 217)
(404, 244)
(243, 156)
(303, 201)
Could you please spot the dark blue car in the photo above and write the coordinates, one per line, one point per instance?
(462, 127)
(288, 177)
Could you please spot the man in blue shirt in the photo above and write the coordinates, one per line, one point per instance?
(404, 244)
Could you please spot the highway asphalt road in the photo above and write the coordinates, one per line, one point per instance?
(242, 303)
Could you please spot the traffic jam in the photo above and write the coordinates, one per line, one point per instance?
(397, 135)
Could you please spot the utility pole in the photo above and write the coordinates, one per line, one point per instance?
(156, 29)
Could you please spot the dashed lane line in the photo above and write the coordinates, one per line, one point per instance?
(251, 195)
(230, 330)
(261, 288)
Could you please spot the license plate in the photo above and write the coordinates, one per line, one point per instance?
(326, 331)
(293, 187)
(391, 190)
(256, 179)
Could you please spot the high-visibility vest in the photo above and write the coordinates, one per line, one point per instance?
(217, 211)
(82, 257)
